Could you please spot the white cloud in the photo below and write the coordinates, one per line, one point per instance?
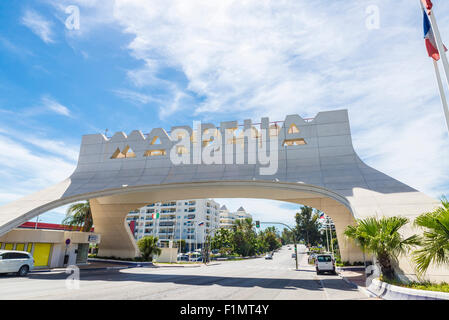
(26, 170)
(51, 104)
(264, 210)
(271, 58)
(274, 58)
(38, 25)
(133, 97)
(30, 168)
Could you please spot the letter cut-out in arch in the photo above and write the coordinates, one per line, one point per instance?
(159, 143)
(292, 135)
(126, 153)
(293, 129)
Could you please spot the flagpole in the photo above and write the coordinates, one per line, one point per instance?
(442, 95)
(444, 61)
(440, 45)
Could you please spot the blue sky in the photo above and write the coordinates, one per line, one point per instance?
(144, 64)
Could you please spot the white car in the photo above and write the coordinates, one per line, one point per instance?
(268, 256)
(20, 262)
(325, 263)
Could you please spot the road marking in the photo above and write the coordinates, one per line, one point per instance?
(324, 289)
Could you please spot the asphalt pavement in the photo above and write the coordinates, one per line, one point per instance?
(252, 279)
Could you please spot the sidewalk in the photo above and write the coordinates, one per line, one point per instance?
(184, 265)
(357, 278)
(90, 266)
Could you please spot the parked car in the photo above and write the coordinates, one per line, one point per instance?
(183, 257)
(20, 262)
(268, 256)
(325, 263)
(196, 258)
(293, 255)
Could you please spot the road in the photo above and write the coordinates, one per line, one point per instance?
(253, 279)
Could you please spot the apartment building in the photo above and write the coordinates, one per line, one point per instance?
(189, 220)
(227, 218)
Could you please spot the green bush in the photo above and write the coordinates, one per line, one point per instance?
(148, 247)
(425, 285)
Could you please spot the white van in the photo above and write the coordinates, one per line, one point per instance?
(20, 262)
(325, 263)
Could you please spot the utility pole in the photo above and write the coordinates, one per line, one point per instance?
(330, 232)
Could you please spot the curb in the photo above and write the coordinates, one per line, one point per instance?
(391, 292)
(127, 263)
(177, 266)
(81, 269)
(186, 265)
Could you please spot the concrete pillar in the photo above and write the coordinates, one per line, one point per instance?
(110, 222)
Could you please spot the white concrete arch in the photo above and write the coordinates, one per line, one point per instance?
(316, 165)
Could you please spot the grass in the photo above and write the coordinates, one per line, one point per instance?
(425, 285)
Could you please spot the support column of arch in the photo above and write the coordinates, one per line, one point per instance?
(116, 237)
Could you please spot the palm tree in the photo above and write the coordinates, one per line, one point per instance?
(435, 241)
(79, 215)
(148, 247)
(381, 237)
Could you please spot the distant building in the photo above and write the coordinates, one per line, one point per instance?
(228, 219)
(189, 220)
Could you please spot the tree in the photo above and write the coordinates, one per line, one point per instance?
(307, 226)
(79, 215)
(435, 240)
(148, 247)
(287, 236)
(381, 237)
(181, 244)
(244, 237)
(271, 238)
(221, 240)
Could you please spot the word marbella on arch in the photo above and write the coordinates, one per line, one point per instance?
(184, 139)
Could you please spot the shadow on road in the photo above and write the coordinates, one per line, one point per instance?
(202, 280)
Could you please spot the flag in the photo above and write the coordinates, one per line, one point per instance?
(429, 37)
(201, 223)
(155, 215)
(428, 5)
